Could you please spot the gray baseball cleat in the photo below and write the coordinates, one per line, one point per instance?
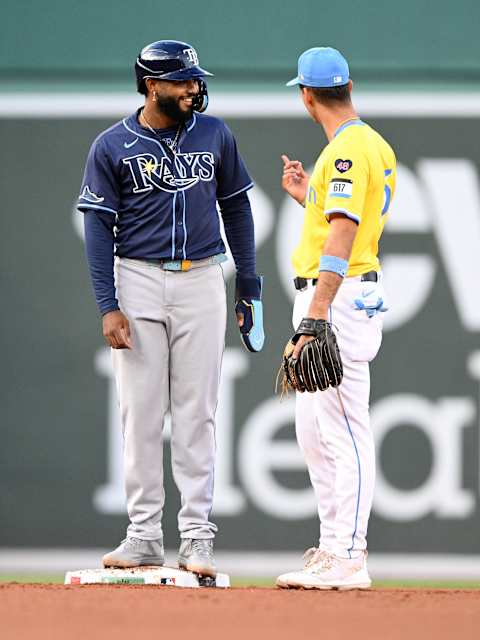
(197, 556)
(133, 552)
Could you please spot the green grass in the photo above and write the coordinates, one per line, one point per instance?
(428, 584)
(41, 578)
(386, 584)
(270, 582)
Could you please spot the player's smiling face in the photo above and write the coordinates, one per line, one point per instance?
(175, 99)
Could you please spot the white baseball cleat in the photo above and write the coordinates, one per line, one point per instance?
(196, 555)
(133, 552)
(325, 570)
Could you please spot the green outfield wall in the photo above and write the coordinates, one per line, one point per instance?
(94, 43)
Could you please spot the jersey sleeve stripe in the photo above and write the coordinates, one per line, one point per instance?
(81, 206)
(345, 212)
(249, 186)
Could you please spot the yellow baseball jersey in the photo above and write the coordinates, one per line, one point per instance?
(355, 175)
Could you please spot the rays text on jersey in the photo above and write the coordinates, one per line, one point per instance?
(168, 174)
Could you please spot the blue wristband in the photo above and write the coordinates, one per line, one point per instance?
(334, 264)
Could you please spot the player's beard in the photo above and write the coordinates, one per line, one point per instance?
(170, 107)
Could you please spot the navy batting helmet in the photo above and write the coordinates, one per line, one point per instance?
(171, 60)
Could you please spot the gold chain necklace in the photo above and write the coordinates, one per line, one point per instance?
(173, 146)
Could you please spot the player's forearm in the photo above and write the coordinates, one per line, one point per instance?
(325, 291)
(339, 245)
(99, 245)
(238, 222)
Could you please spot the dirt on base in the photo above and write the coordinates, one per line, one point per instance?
(48, 612)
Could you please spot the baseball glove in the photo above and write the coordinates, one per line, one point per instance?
(319, 365)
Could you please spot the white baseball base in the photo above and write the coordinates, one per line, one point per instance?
(160, 576)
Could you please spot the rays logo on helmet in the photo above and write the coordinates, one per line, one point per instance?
(192, 55)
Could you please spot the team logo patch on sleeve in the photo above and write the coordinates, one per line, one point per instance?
(88, 195)
(340, 188)
(343, 165)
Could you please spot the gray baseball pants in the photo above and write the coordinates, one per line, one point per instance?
(178, 322)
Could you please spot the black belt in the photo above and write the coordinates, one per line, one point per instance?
(302, 283)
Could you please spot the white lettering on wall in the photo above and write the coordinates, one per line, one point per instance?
(260, 455)
(442, 422)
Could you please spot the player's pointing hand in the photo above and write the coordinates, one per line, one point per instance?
(116, 330)
(295, 179)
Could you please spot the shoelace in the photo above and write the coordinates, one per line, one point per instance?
(132, 542)
(202, 547)
(328, 561)
(312, 556)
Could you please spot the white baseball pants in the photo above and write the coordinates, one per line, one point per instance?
(178, 322)
(333, 426)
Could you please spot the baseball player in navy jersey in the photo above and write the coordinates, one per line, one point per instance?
(154, 249)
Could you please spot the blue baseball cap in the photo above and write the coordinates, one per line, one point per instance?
(321, 67)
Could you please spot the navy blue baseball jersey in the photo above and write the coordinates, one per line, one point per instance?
(164, 203)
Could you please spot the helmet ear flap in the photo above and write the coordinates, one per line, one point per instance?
(200, 102)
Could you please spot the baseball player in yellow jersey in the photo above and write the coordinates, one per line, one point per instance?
(339, 288)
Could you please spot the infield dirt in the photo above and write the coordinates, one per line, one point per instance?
(41, 612)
